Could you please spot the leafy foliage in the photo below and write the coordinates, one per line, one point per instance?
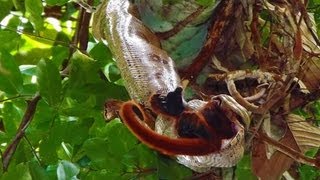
(67, 137)
(11, 79)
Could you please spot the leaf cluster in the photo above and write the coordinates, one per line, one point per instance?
(67, 138)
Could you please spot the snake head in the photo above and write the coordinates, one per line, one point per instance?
(234, 110)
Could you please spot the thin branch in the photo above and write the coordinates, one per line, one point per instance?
(62, 43)
(180, 25)
(84, 27)
(14, 97)
(80, 37)
(256, 37)
(140, 171)
(27, 118)
(33, 151)
(255, 129)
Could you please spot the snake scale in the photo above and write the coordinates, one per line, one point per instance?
(147, 70)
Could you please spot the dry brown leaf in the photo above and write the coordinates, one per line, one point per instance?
(306, 135)
(274, 167)
(310, 68)
(310, 73)
(304, 41)
(309, 43)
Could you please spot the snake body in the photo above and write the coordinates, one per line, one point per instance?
(147, 69)
(137, 50)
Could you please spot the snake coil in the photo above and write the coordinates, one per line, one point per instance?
(147, 70)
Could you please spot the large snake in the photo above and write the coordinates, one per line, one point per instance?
(148, 70)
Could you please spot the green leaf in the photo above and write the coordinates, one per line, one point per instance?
(11, 38)
(51, 170)
(312, 152)
(36, 171)
(243, 170)
(59, 144)
(140, 162)
(170, 169)
(316, 111)
(85, 79)
(56, 2)
(48, 150)
(84, 108)
(67, 170)
(101, 53)
(11, 118)
(79, 127)
(84, 70)
(102, 174)
(20, 171)
(34, 9)
(205, 2)
(19, 5)
(22, 154)
(98, 151)
(49, 81)
(98, 127)
(308, 172)
(41, 123)
(112, 72)
(5, 8)
(59, 54)
(51, 142)
(65, 151)
(10, 77)
(28, 69)
(33, 55)
(127, 140)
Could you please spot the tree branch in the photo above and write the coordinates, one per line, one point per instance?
(177, 28)
(221, 20)
(27, 118)
(81, 35)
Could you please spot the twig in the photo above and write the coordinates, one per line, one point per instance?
(256, 37)
(180, 25)
(255, 130)
(83, 29)
(27, 117)
(140, 171)
(14, 97)
(62, 43)
(33, 151)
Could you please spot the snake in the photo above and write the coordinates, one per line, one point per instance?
(147, 70)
